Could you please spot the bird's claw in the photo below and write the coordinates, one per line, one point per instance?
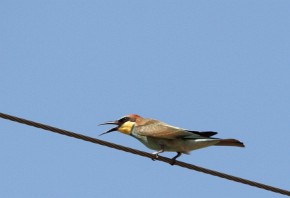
(157, 153)
(173, 161)
(156, 156)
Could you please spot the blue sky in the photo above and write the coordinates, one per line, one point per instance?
(202, 65)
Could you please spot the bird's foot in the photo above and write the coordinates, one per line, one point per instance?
(158, 152)
(156, 155)
(173, 160)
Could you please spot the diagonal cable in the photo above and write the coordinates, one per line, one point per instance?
(144, 154)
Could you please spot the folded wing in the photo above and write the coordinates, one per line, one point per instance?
(157, 129)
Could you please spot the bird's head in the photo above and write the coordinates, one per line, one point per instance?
(124, 124)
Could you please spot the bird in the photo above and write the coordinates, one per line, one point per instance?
(160, 136)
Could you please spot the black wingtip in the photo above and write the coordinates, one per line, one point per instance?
(204, 133)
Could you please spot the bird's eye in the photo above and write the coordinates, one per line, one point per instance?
(125, 119)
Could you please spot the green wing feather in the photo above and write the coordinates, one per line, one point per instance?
(157, 129)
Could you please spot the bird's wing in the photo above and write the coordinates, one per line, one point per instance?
(157, 129)
(204, 133)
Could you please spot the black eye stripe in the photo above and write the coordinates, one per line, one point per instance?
(125, 119)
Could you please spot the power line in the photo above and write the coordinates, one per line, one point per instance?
(144, 154)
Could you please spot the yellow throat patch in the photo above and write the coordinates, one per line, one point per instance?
(127, 127)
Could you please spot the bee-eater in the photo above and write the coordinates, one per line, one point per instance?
(161, 137)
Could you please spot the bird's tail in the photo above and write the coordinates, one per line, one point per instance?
(230, 142)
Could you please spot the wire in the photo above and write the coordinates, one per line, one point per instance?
(144, 154)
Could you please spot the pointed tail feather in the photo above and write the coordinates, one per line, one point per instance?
(230, 142)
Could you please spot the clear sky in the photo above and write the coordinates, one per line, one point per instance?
(202, 65)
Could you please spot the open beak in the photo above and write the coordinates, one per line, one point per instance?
(111, 130)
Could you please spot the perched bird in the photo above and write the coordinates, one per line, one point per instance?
(161, 137)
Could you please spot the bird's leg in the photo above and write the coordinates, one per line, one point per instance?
(157, 153)
(175, 157)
